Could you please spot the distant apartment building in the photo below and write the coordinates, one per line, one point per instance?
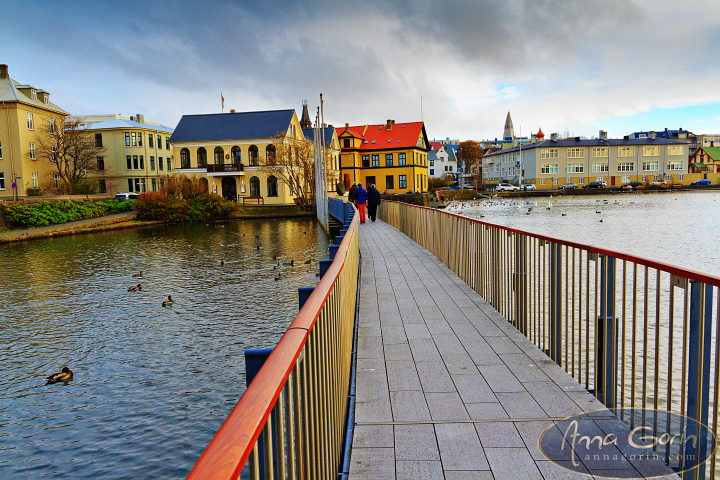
(26, 112)
(442, 162)
(552, 163)
(137, 156)
(393, 156)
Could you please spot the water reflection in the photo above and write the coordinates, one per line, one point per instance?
(151, 384)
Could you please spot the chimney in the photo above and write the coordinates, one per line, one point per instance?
(389, 124)
(651, 134)
(232, 110)
(577, 139)
(626, 137)
(347, 125)
(3, 71)
(603, 135)
(132, 119)
(140, 118)
(553, 137)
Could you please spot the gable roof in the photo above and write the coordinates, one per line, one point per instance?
(232, 126)
(122, 123)
(10, 91)
(310, 134)
(432, 155)
(378, 137)
(713, 152)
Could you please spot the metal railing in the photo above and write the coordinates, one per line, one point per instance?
(290, 422)
(637, 333)
(224, 167)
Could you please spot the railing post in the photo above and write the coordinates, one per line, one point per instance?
(254, 360)
(324, 265)
(333, 250)
(698, 389)
(520, 284)
(556, 302)
(304, 294)
(606, 343)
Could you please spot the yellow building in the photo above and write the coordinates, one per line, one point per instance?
(393, 156)
(227, 152)
(25, 113)
(137, 157)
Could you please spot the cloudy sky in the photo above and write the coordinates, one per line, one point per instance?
(568, 66)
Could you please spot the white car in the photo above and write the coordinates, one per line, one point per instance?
(528, 186)
(506, 187)
(126, 196)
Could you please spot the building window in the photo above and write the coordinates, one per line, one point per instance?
(674, 150)
(135, 162)
(184, 158)
(388, 159)
(160, 163)
(401, 160)
(130, 185)
(133, 139)
(159, 142)
(254, 187)
(33, 94)
(546, 168)
(167, 143)
(376, 160)
(346, 143)
(650, 151)
(432, 171)
(100, 164)
(153, 183)
(56, 179)
(549, 153)
(402, 181)
(2, 180)
(542, 181)
(446, 168)
(32, 151)
(202, 157)
(0, 149)
(102, 187)
(681, 177)
(98, 140)
(575, 153)
(150, 140)
(46, 98)
(369, 181)
(643, 178)
(432, 163)
(650, 166)
(657, 178)
(129, 162)
(625, 179)
(169, 164)
(366, 160)
(269, 152)
(626, 166)
(675, 165)
(51, 125)
(626, 151)
(599, 152)
(127, 139)
(137, 185)
(600, 167)
(575, 168)
(152, 163)
(29, 121)
(272, 186)
(139, 139)
(254, 157)
(35, 180)
(218, 155)
(53, 154)
(142, 163)
(389, 182)
(581, 180)
(235, 155)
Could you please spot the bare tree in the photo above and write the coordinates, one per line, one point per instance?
(71, 148)
(293, 162)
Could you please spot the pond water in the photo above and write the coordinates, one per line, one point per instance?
(151, 385)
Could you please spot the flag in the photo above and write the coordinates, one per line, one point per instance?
(222, 100)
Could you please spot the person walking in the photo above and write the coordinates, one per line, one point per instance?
(361, 200)
(352, 193)
(373, 200)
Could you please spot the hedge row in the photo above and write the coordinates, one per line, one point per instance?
(40, 214)
(169, 208)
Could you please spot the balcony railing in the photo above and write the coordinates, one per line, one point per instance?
(635, 332)
(291, 420)
(224, 167)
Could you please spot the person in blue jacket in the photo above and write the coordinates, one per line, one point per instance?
(361, 200)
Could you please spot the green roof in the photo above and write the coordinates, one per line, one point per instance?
(713, 152)
(699, 165)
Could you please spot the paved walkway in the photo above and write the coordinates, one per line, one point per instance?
(446, 387)
(40, 232)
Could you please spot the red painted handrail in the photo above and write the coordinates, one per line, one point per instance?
(230, 448)
(689, 273)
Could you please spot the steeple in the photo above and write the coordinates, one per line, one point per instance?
(509, 132)
(305, 120)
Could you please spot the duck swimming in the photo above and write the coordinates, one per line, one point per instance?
(168, 302)
(138, 275)
(64, 376)
(136, 288)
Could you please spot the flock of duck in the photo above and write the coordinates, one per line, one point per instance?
(138, 288)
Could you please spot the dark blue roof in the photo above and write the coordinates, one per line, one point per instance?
(232, 126)
(310, 134)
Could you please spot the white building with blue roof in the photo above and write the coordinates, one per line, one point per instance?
(138, 154)
(442, 163)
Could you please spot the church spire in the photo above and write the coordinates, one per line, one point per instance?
(509, 132)
(305, 120)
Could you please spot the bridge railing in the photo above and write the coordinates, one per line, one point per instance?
(635, 332)
(290, 422)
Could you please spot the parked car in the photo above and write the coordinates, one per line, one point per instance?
(126, 196)
(568, 186)
(702, 181)
(528, 186)
(506, 187)
(633, 185)
(595, 185)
